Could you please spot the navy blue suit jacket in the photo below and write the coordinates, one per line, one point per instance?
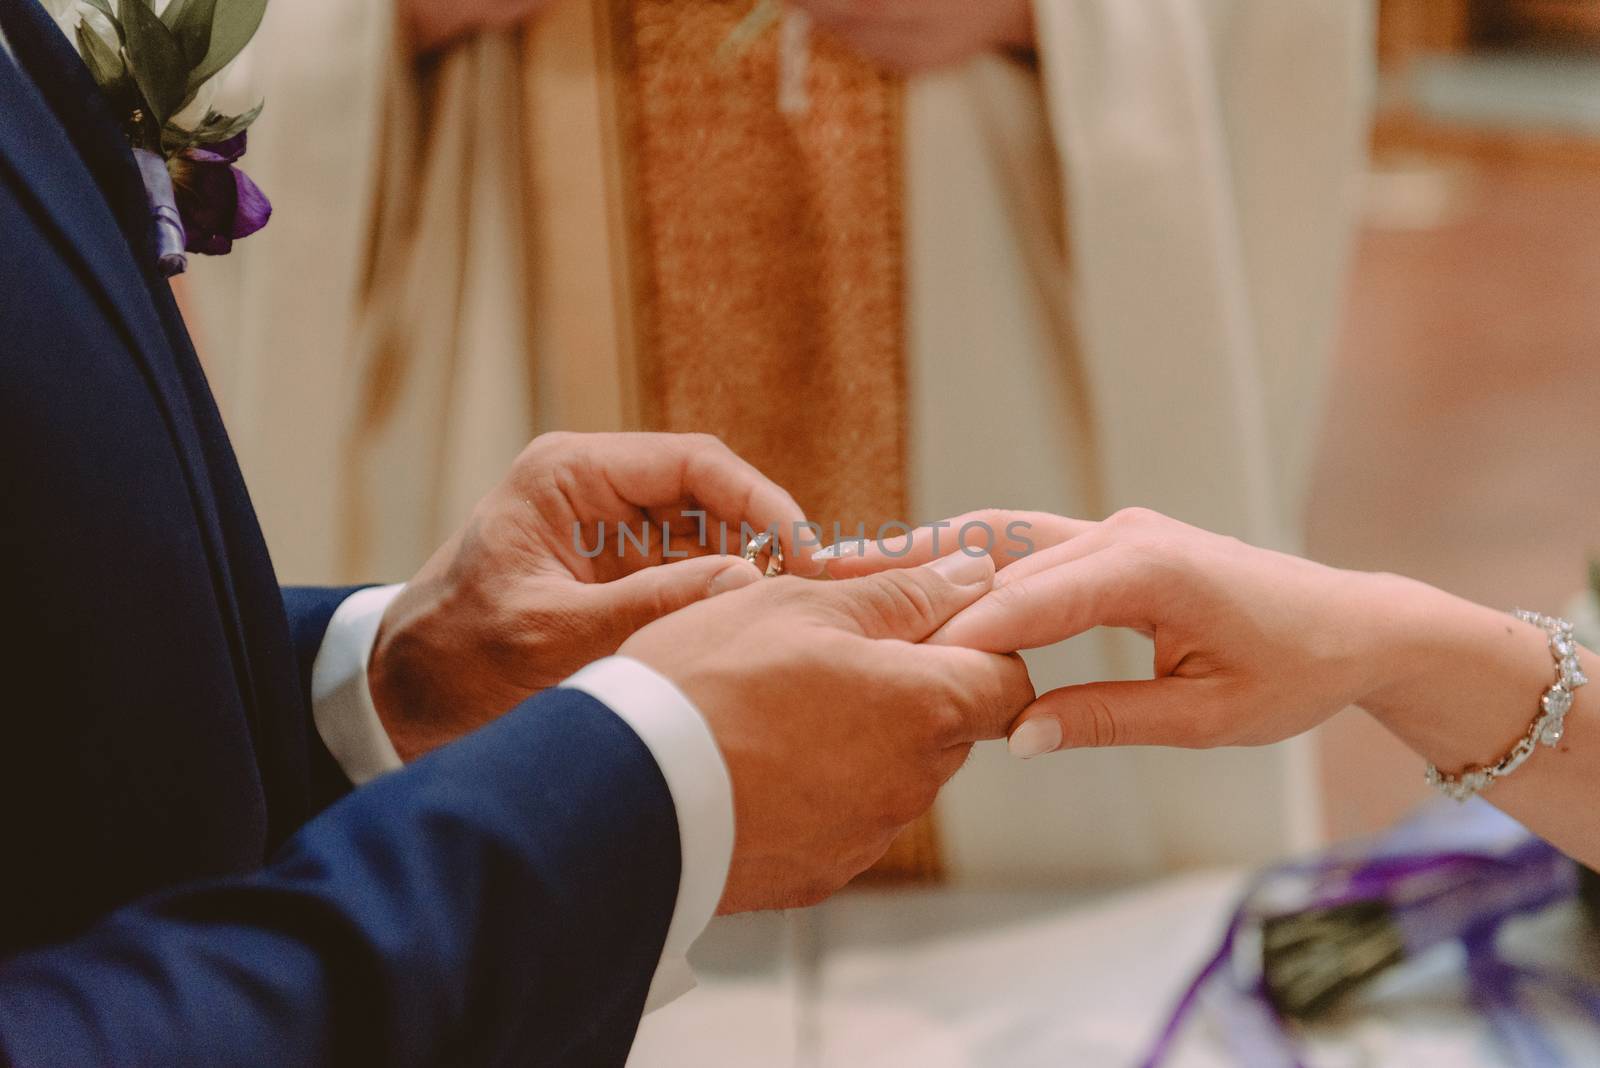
(503, 902)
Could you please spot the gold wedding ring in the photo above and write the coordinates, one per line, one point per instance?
(765, 543)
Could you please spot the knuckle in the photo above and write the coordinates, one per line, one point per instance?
(997, 520)
(898, 598)
(1100, 723)
(1136, 518)
(703, 442)
(1007, 599)
(954, 709)
(652, 604)
(948, 724)
(553, 441)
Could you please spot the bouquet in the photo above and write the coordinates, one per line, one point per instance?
(1308, 935)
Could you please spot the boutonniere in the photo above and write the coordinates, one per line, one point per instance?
(158, 62)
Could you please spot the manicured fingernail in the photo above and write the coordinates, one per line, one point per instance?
(1035, 738)
(964, 570)
(735, 576)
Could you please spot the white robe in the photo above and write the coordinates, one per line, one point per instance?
(1124, 281)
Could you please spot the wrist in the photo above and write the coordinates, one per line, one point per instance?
(412, 659)
(1460, 683)
(388, 678)
(1409, 642)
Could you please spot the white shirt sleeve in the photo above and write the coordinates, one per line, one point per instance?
(664, 719)
(697, 778)
(341, 699)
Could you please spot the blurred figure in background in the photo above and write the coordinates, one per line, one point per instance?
(1085, 255)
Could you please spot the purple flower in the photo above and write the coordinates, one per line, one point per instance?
(219, 203)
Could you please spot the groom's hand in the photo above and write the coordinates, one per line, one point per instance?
(837, 727)
(589, 538)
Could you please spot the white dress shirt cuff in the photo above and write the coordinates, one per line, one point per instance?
(697, 778)
(341, 698)
(665, 720)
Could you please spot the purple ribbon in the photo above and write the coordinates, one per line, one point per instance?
(1433, 897)
(170, 235)
(1252, 1025)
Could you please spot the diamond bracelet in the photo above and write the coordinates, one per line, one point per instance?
(1547, 729)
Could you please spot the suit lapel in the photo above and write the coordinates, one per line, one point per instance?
(85, 118)
(54, 164)
(101, 219)
(46, 165)
(51, 174)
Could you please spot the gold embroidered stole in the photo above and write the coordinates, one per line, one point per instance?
(763, 298)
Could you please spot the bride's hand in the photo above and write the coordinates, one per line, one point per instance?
(1251, 646)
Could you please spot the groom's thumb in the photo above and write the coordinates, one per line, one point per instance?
(643, 597)
(910, 605)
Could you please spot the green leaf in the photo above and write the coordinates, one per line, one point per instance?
(111, 16)
(104, 7)
(213, 128)
(1594, 575)
(218, 127)
(234, 24)
(190, 21)
(102, 60)
(156, 60)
